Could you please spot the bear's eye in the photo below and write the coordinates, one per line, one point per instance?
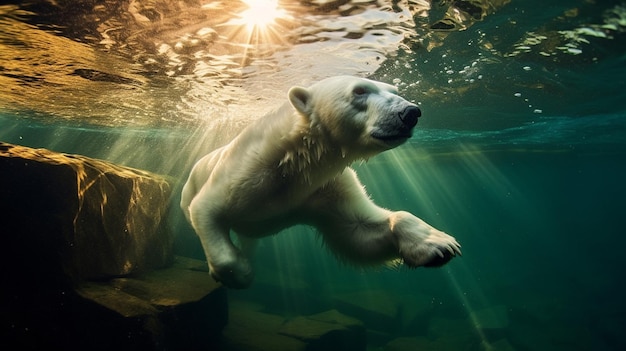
(358, 91)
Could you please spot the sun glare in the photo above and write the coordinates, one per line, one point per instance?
(260, 14)
(260, 29)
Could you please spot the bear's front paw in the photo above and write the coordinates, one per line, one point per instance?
(434, 251)
(235, 273)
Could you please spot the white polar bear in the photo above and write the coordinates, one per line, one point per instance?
(292, 167)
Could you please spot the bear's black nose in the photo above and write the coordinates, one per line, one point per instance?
(409, 116)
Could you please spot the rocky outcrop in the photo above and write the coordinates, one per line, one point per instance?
(88, 218)
(85, 246)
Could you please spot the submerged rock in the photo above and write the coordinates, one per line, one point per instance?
(85, 217)
(176, 308)
(179, 307)
(379, 308)
(451, 333)
(250, 329)
(82, 239)
(327, 331)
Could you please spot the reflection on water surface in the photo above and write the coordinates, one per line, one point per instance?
(152, 62)
(212, 65)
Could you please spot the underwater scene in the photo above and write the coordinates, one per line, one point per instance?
(520, 154)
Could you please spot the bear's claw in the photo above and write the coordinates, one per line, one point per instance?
(431, 254)
(442, 257)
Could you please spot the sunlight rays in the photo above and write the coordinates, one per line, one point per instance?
(460, 291)
(438, 187)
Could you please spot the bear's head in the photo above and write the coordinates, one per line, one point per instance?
(362, 116)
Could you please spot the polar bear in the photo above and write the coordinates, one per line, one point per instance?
(292, 167)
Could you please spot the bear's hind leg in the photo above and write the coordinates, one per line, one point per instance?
(227, 264)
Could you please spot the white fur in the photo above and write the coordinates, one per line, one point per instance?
(292, 167)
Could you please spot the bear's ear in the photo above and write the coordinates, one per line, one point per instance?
(300, 99)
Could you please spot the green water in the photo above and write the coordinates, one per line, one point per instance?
(521, 155)
(540, 230)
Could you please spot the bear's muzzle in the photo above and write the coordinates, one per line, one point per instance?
(409, 116)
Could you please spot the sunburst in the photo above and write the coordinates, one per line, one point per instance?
(262, 22)
(260, 14)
